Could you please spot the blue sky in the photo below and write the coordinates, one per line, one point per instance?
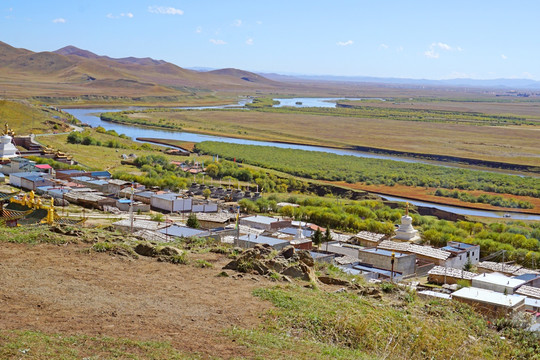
(411, 39)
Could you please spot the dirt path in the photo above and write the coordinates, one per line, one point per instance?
(66, 290)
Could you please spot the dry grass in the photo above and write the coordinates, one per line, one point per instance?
(517, 145)
(427, 194)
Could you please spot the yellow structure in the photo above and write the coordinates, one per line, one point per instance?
(30, 201)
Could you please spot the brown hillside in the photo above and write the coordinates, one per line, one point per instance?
(74, 71)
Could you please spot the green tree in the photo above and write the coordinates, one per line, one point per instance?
(192, 221)
(212, 170)
(206, 193)
(317, 237)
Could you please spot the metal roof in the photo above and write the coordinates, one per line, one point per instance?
(260, 219)
(263, 240)
(498, 279)
(182, 231)
(488, 297)
(382, 252)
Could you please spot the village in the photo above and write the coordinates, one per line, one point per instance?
(39, 194)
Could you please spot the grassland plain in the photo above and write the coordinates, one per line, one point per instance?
(507, 144)
(73, 302)
(325, 166)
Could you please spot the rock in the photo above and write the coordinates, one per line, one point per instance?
(264, 249)
(287, 252)
(309, 273)
(333, 281)
(285, 278)
(341, 290)
(277, 264)
(372, 292)
(170, 251)
(294, 272)
(145, 249)
(233, 265)
(260, 268)
(305, 257)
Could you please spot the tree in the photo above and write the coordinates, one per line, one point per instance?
(206, 193)
(317, 237)
(327, 237)
(192, 221)
(212, 170)
(468, 265)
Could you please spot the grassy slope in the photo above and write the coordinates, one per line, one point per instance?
(305, 324)
(517, 145)
(25, 118)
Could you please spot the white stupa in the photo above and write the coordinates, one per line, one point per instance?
(406, 232)
(7, 149)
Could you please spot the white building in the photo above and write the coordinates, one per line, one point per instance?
(497, 282)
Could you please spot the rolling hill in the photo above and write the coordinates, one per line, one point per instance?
(71, 71)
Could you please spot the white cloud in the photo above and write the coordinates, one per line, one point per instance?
(165, 10)
(198, 30)
(383, 46)
(345, 43)
(431, 54)
(442, 46)
(259, 22)
(249, 41)
(237, 23)
(399, 49)
(504, 57)
(59, 21)
(217, 42)
(128, 15)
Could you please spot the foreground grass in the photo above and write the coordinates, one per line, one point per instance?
(313, 324)
(18, 344)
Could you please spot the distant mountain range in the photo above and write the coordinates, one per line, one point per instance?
(75, 72)
(71, 70)
(508, 84)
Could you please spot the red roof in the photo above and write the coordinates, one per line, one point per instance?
(44, 166)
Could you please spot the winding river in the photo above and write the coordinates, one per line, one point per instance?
(91, 117)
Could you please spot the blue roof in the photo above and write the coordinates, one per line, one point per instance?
(263, 240)
(57, 190)
(451, 248)
(461, 246)
(375, 270)
(101, 173)
(33, 177)
(182, 231)
(526, 277)
(147, 194)
(293, 231)
(97, 182)
(82, 178)
(382, 252)
(69, 172)
(22, 174)
(124, 201)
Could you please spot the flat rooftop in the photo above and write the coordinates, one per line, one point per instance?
(488, 297)
(382, 252)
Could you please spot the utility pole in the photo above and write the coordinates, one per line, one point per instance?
(392, 262)
(131, 210)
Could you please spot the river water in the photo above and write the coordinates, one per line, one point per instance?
(91, 117)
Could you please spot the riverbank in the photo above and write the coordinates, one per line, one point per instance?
(426, 194)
